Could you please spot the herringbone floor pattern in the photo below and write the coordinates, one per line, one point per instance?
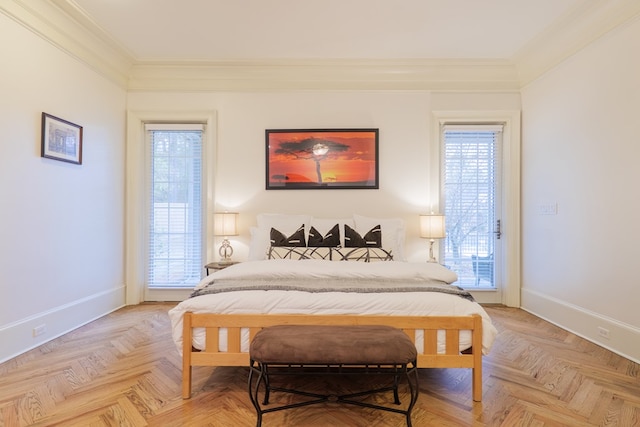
(123, 370)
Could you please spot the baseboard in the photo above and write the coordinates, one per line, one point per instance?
(20, 337)
(622, 338)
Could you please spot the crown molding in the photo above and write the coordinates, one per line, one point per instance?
(574, 31)
(335, 74)
(53, 24)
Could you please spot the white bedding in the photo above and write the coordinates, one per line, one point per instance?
(299, 302)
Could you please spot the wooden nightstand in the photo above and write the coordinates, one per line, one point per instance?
(215, 266)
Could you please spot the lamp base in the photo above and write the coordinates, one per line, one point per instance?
(225, 251)
(431, 257)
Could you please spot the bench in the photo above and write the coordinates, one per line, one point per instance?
(334, 350)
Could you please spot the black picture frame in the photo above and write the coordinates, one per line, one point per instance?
(314, 159)
(61, 139)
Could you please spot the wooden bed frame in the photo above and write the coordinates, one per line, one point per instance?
(429, 358)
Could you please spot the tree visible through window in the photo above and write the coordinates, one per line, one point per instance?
(470, 177)
(175, 207)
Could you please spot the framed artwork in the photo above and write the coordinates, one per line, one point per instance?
(322, 159)
(61, 140)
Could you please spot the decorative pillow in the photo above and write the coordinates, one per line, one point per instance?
(298, 253)
(366, 254)
(353, 239)
(331, 239)
(323, 225)
(393, 232)
(296, 239)
(286, 223)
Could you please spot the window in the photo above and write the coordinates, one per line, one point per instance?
(175, 205)
(471, 192)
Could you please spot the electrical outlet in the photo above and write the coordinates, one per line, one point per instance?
(39, 330)
(604, 333)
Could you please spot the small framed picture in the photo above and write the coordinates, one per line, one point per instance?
(322, 159)
(61, 139)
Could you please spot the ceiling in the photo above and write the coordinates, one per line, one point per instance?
(214, 30)
(201, 45)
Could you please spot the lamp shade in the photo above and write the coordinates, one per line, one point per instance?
(432, 226)
(225, 224)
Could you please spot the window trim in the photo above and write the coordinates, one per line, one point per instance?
(135, 238)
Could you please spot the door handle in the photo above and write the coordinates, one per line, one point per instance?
(498, 230)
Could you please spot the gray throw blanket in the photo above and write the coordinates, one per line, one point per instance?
(321, 285)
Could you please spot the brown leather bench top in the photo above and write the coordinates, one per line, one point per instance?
(325, 344)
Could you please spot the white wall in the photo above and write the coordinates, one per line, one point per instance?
(404, 120)
(61, 225)
(581, 151)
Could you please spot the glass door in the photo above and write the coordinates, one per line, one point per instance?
(471, 180)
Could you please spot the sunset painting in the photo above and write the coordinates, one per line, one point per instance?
(322, 158)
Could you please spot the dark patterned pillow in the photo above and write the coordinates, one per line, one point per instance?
(353, 239)
(296, 239)
(331, 239)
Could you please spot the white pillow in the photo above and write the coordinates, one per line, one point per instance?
(393, 233)
(259, 243)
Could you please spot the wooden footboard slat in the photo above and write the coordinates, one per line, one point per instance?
(411, 333)
(233, 340)
(430, 341)
(212, 340)
(428, 358)
(452, 341)
(252, 333)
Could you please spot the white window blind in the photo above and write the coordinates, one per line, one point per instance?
(471, 174)
(175, 208)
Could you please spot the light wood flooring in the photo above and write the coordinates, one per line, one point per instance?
(124, 370)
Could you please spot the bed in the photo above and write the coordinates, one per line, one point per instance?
(333, 284)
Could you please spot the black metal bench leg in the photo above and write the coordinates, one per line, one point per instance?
(413, 391)
(267, 384)
(253, 392)
(396, 398)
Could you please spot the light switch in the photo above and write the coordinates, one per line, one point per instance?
(548, 209)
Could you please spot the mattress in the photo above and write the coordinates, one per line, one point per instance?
(412, 291)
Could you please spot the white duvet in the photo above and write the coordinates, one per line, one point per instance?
(299, 302)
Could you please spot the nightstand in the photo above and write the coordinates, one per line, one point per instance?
(215, 266)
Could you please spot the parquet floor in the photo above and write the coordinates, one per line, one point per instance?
(123, 370)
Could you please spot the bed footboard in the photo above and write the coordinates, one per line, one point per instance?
(427, 358)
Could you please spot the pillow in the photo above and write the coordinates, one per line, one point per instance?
(323, 225)
(260, 235)
(297, 239)
(330, 239)
(366, 254)
(393, 232)
(259, 244)
(298, 253)
(285, 223)
(353, 239)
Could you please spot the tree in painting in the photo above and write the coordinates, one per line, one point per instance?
(315, 149)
